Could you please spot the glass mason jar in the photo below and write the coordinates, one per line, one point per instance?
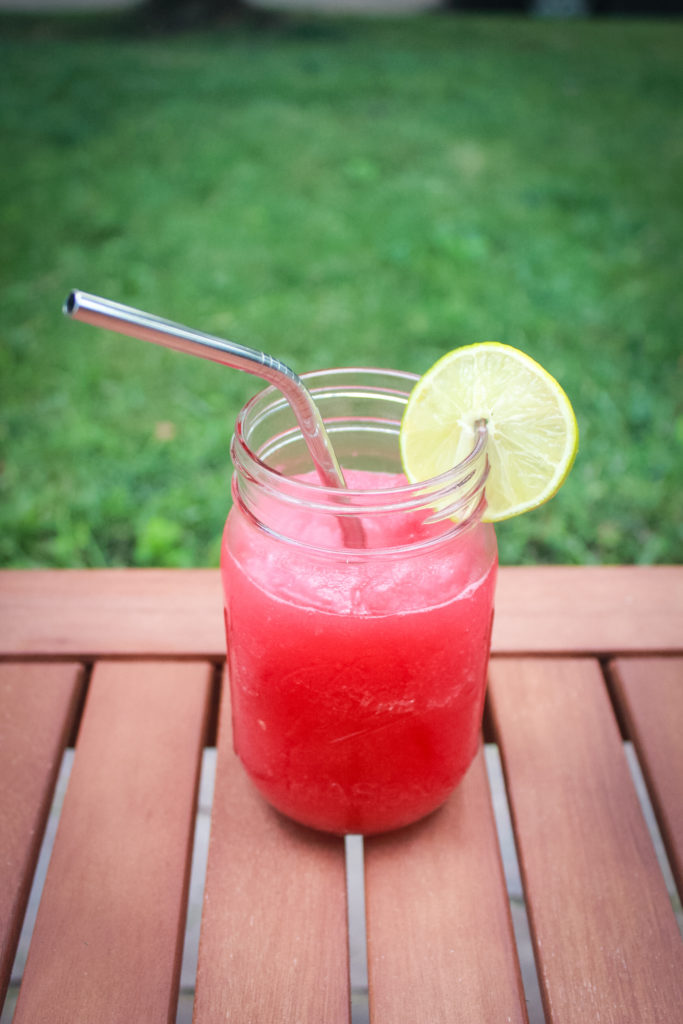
(359, 620)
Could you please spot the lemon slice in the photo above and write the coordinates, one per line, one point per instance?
(533, 436)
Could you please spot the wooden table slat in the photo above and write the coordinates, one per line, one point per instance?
(108, 613)
(37, 708)
(84, 613)
(606, 940)
(649, 693)
(441, 946)
(273, 943)
(108, 937)
(594, 610)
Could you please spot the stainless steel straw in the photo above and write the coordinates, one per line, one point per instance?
(136, 324)
(114, 316)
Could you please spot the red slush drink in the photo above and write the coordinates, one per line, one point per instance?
(357, 674)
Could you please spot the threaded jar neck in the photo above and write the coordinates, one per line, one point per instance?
(275, 484)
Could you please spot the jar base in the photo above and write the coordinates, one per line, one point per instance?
(367, 821)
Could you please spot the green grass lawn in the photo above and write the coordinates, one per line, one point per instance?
(337, 192)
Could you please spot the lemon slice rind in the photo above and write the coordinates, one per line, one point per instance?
(532, 430)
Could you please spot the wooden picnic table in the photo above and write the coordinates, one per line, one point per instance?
(129, 664)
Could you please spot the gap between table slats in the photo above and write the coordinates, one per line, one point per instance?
(649, 696)
(606, 941)
(108, 936)
(38, 705)
(273, 943)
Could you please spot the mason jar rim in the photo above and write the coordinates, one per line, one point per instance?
(314, 492)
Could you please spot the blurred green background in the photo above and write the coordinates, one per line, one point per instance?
(337, 191)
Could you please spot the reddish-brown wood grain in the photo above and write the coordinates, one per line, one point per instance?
(649, 692)
(84, 613)
(108, 937)
(440, 940)
(606, 940)
(37, 707)
(273, 945)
